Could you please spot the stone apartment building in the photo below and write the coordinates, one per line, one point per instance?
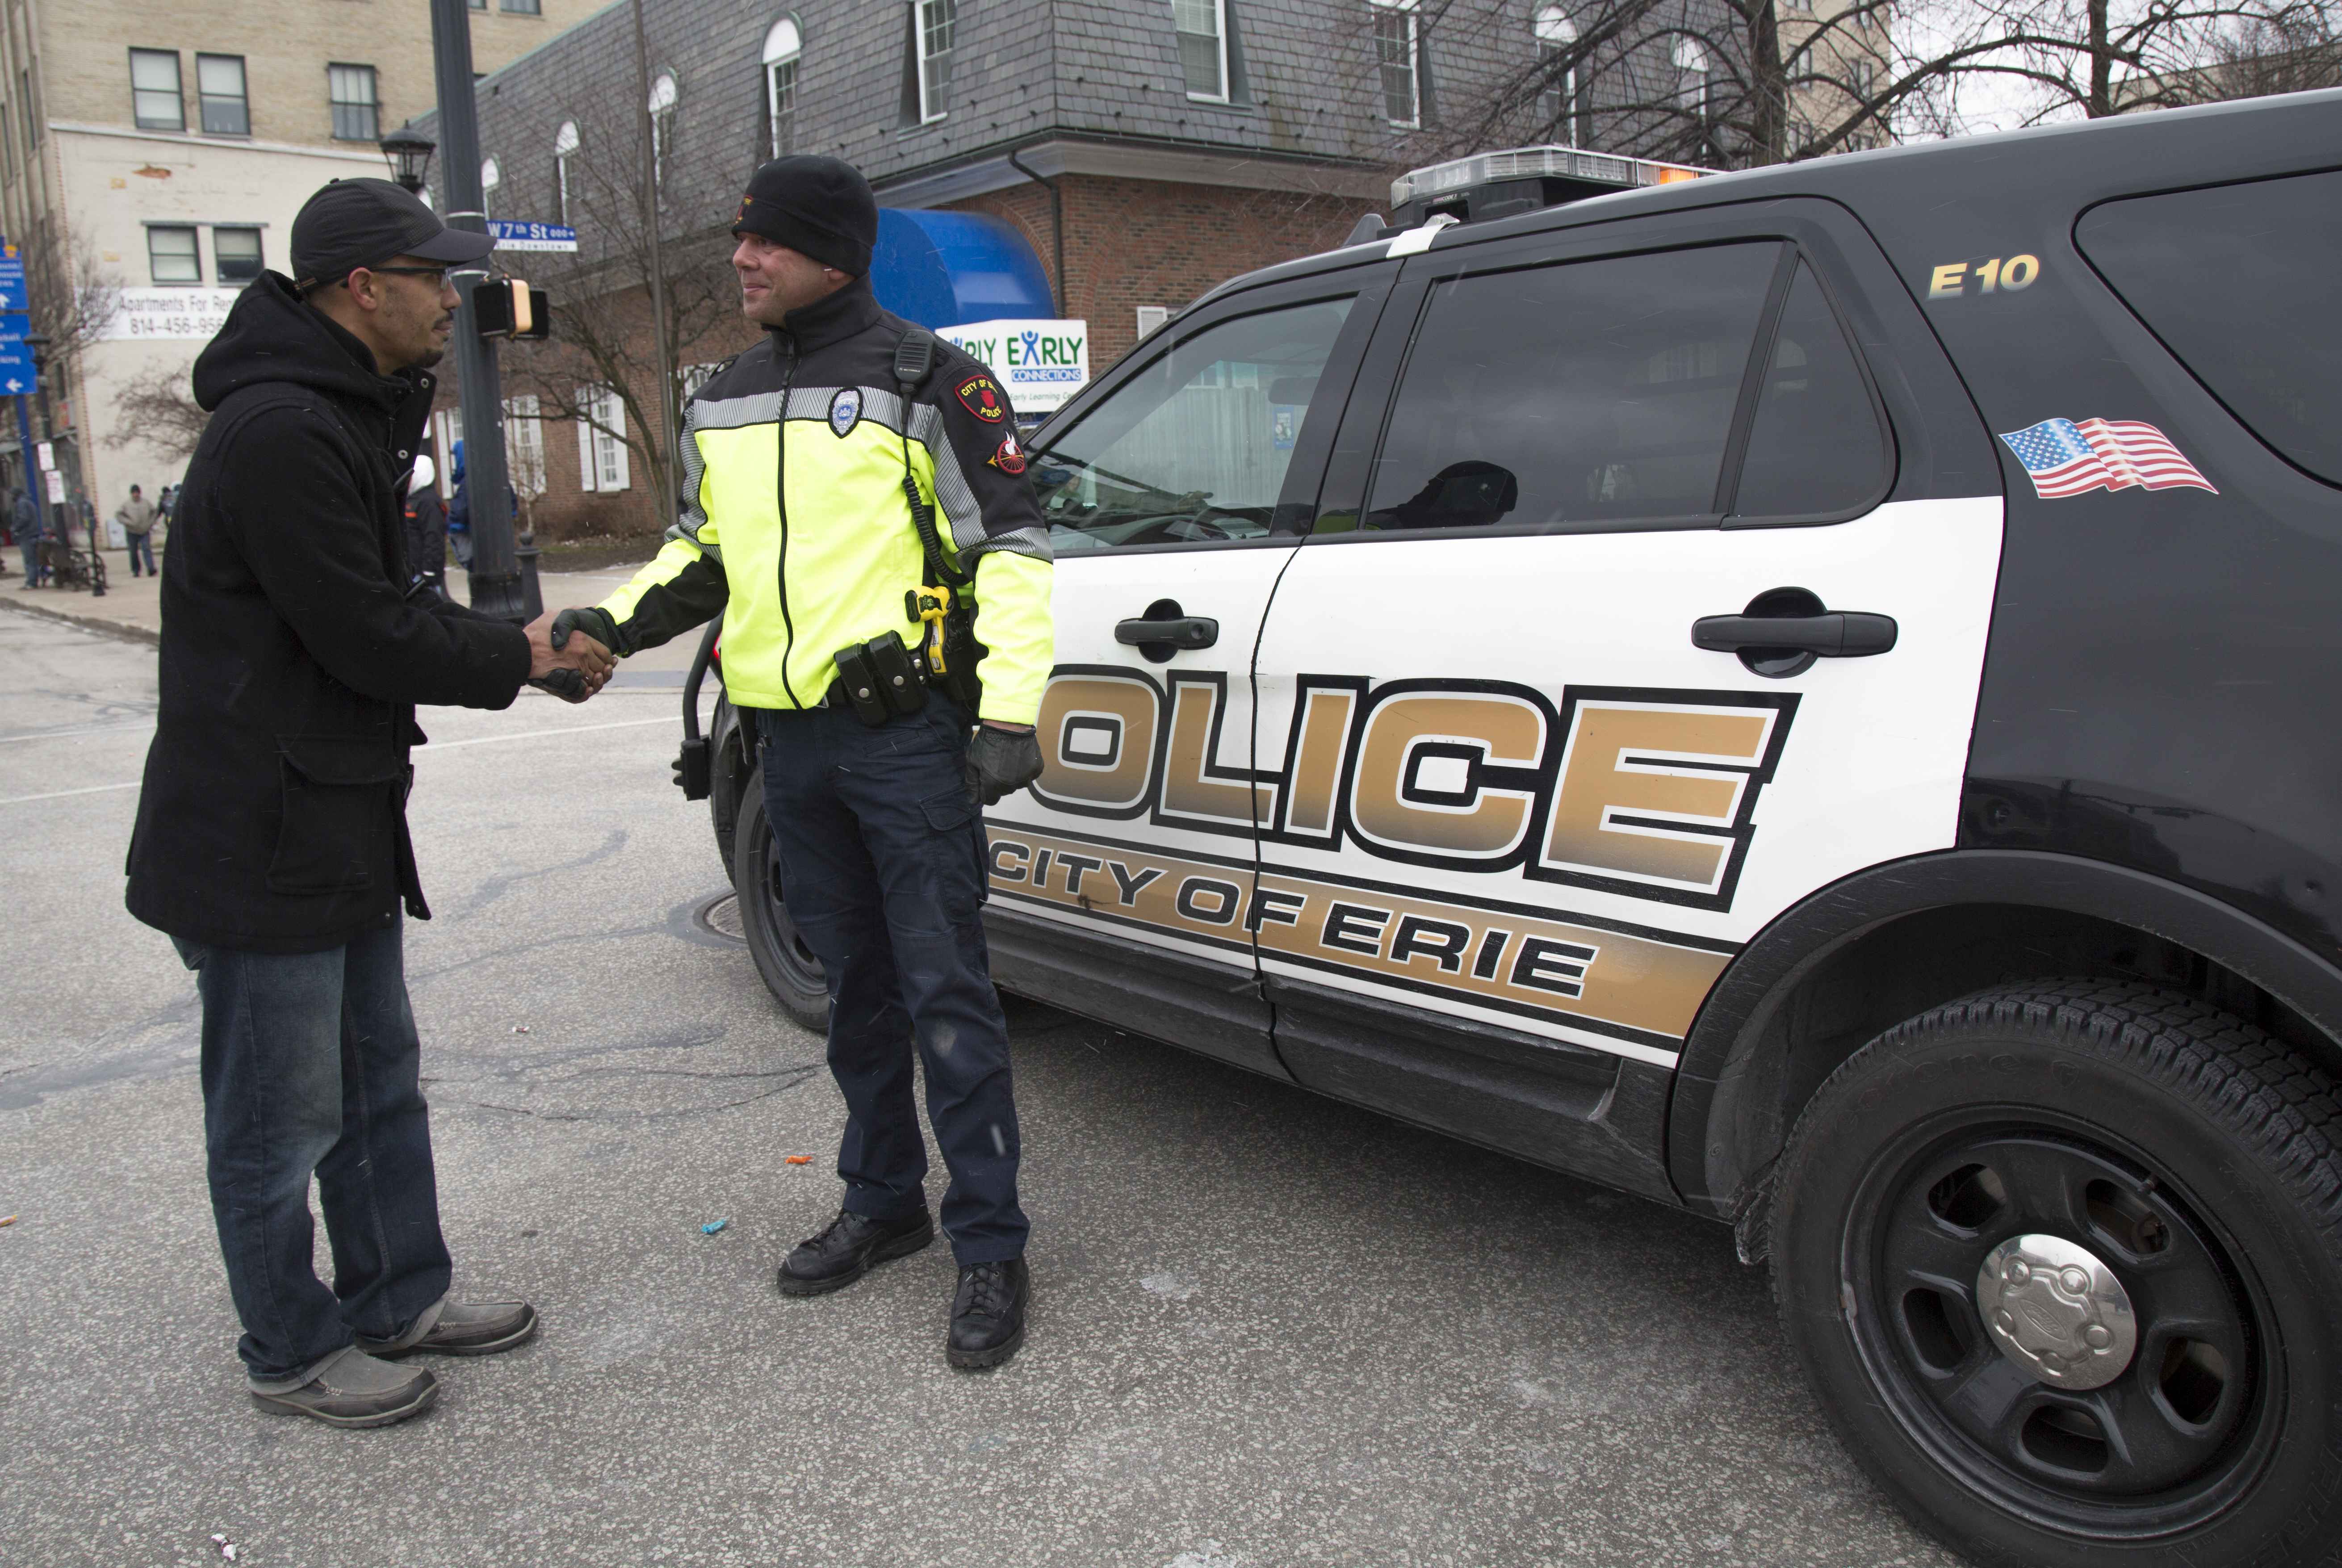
(161, 148)
(1143, 149)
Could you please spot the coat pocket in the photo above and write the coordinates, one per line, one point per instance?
(341, 795)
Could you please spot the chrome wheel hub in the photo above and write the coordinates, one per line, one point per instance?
(2056, 1312)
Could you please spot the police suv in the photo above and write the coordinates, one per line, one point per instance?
(1794, 694)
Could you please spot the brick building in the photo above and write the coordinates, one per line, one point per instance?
(1144, 149)
(156, 153)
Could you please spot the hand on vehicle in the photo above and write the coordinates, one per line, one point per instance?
(1000, 762)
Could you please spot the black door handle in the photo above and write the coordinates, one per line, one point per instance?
(1838, 635)
(1189, 632)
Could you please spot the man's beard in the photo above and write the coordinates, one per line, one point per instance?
(432, 355)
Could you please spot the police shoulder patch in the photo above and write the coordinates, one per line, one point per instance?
(1008, 457)
(846, 410)
(980, 396)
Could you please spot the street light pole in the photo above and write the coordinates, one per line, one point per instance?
(503, 581)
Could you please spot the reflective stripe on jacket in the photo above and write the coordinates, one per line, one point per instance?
(794, 522)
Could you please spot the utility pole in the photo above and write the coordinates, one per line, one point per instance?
(504, 580)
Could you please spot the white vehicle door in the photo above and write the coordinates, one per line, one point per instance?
(1119, 881)
(1540, 767)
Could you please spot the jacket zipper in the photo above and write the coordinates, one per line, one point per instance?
(781, 504)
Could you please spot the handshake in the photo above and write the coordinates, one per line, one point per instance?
(567, 655)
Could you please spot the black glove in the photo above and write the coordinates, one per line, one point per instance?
(1000, 763)
(594, 622)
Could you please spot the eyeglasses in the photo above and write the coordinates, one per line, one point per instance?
(437, 275)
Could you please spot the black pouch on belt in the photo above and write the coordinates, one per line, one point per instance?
(880, 680)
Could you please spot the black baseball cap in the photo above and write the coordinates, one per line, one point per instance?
(351, 224)
(819, 207)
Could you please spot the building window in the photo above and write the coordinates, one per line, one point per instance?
(662, 107)
(1691, 58)
(1863, 75)
(782, 44)
(1558, 105)
(520, 7)
(934, 21)
(358, 111)
(525, 444)
(479, 4)
(1202, 25)
(491, 176)
(601, 439)
(236, 255)
(154, 100)
(1395, 53)
(564, 147)
(1151, 318)
(219, 89)
(171, 256)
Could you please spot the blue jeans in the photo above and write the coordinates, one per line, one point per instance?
(309, 1065)
(882, 868)
(140, 544)
(35, 571)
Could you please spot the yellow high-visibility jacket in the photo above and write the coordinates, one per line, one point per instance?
(796, 526)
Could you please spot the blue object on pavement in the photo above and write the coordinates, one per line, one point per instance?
(713, 1226)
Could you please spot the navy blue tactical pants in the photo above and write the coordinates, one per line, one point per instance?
(882, 868)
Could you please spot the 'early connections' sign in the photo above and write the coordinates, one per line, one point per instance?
(1041, 363)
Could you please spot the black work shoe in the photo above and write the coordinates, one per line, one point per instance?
(457, 1328)
(845, 1251)
(352, 1388)
(988, 1322)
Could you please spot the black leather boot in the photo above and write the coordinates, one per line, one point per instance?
(988, 1323)
(845, 1251)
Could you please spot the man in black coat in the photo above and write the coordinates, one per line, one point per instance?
(271, 843)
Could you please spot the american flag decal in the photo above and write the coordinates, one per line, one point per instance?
(2066, 457)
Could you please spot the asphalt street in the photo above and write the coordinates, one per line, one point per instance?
(1268, 1328)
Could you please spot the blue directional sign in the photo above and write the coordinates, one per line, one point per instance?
(519, 236)
(17, 375)
(13, 296)
(13, 327)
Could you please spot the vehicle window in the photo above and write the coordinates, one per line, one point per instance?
(1575, 397)
(1195, 446)
(1815, 447)
(2236, 281)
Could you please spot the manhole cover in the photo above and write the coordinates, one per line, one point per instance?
(721, 916)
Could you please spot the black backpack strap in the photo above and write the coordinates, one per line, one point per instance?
(914, 358)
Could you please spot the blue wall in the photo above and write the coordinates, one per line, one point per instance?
(946, 269)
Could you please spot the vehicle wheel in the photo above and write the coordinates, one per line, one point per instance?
(1950, 1184)
(792, 974)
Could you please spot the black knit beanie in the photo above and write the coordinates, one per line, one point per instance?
(819, 207)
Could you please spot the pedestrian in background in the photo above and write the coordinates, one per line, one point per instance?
(25, 519)
(137, 516)
(427, 529)
(459, 507)
(271, 842)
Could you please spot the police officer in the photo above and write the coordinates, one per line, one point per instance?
(809, 480)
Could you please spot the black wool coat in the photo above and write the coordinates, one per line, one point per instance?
(296, 647)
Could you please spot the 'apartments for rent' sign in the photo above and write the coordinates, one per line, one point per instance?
(194, 313)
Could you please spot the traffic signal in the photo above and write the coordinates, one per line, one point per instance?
(508, 307)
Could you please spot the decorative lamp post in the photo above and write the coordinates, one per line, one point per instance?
(408, 151)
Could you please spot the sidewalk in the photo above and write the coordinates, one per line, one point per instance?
(133, 608)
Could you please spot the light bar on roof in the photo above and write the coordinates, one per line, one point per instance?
(1530, 163)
